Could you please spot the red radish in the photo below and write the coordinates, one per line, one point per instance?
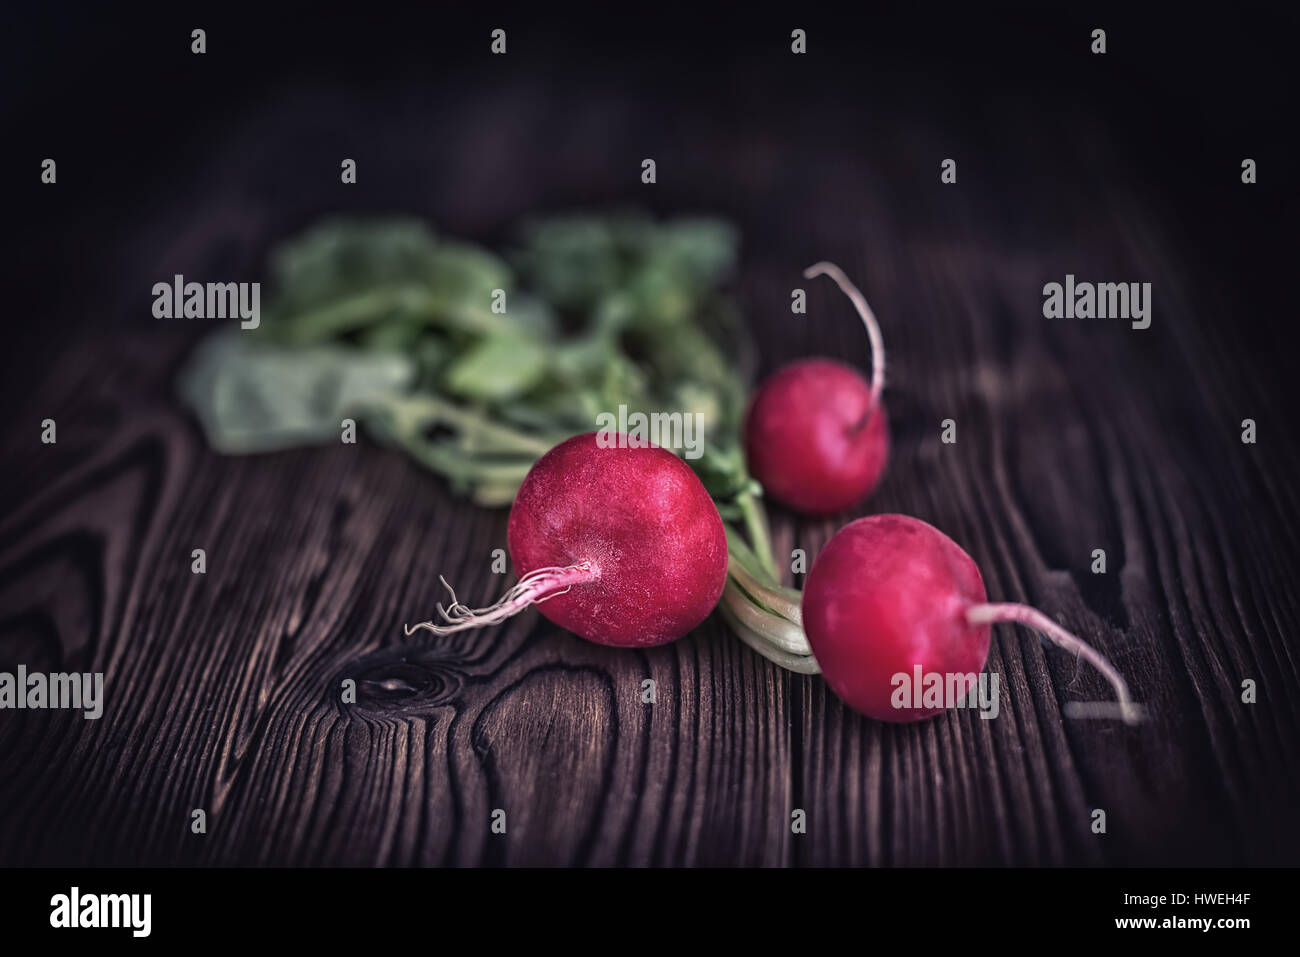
(621, 545)
(889, 594)
(816, 435)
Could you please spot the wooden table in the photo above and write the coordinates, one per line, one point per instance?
(223, 690)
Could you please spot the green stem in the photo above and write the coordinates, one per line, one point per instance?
(800, 664)
(763, 614)
(773, 629)
(784, 602)
(360, 309)
(494, 494)
(416, 412)
(755, 518)
(462, 470)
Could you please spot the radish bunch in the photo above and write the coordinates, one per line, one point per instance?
(624, 546)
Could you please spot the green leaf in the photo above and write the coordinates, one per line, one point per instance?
(252, 396)
(338, 261)
(342, 276)
(498, 368)
(704, 250)
(571, 261)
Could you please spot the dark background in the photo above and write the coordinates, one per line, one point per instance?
(1123, 167)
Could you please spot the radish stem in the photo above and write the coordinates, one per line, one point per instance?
(755, 518)
(775, 630)
(1125, 708)
(784, 602)
(416, 412)
(800, 664)
(868, 320)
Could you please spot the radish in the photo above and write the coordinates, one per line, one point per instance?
(617, 541)
(816, 433)
(889, 594)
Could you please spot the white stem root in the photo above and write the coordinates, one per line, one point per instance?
(537, 586)
(1125, 708)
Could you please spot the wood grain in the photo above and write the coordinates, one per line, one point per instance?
(224, 689)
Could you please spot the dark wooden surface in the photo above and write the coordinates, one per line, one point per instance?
(223, 690)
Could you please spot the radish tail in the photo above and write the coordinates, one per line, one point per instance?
(1124, 708)
(533, 589)
(868, 320)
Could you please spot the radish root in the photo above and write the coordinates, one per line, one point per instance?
(868, 320)
(1125, 707)
(534, 588)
